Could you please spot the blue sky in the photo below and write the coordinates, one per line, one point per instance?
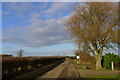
(37, 28)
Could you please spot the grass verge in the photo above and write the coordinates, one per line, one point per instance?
(106, 76)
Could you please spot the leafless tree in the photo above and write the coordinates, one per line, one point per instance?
(94, 25)
(20, 53)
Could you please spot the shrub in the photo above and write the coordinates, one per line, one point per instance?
(108, 58)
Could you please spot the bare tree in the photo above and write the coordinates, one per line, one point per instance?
(94, 25)
(20, 53)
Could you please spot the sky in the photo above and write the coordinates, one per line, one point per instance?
(37, 28)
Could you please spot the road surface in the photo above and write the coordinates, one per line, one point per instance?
(64, 70)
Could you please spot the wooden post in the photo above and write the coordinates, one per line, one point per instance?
(112, 66)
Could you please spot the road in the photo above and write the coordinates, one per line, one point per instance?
(64, 70)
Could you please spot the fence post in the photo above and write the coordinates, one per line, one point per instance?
(112, 66)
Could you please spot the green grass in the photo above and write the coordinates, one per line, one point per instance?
(34, 74)
(106, 76)
(80, 68)
(74, 61)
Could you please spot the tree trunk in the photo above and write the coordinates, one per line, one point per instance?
(79, 53)
(98, 61)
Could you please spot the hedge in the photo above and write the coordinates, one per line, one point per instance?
(15, 66)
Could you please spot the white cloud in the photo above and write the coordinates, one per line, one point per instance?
(34, 17)
(21, 7)
(45, 9)
(18, 9)
(39, 33)
(57, 9)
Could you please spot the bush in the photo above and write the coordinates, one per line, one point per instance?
(108, 58)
